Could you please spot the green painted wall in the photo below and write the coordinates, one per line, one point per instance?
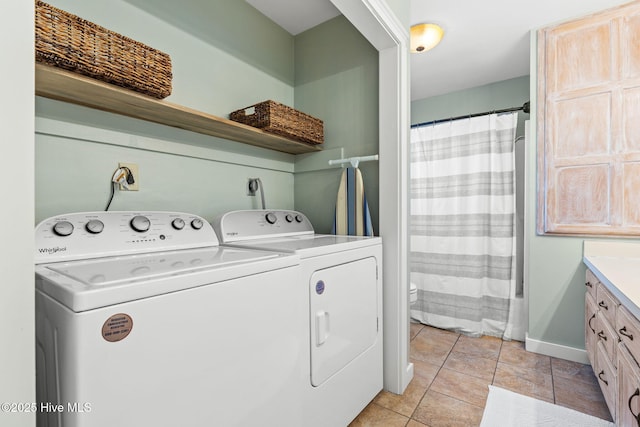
(233, 26)
(179, 170)
(78, 149)
(495, 96)
(337, 81)
(556, 271)
(209, 77)
(330, 72)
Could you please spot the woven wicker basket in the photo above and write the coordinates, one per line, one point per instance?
(67, 41)
(279, 119)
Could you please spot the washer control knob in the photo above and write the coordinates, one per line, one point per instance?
(288, 217)
(178, 223)
(298, 218)
(140, 223)
(197, 224)
(271, 218)
(63, 228)
(94, 226)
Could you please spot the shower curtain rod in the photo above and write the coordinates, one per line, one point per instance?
(524, 108)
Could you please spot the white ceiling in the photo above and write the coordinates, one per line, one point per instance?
(298, 15)
(484, 42)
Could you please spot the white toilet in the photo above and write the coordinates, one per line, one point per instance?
(413, 293)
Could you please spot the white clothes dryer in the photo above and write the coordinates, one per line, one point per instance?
(342, 279)
(142, 321)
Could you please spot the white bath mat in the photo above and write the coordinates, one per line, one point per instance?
(508, 409)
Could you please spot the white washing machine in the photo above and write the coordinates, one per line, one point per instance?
(342, 280)
(143, 320)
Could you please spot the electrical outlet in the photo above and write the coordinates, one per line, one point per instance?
(133, 167)
(252, 186)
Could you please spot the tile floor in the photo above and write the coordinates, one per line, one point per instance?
(452, 372)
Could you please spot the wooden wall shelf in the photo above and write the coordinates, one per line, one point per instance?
(62, 85)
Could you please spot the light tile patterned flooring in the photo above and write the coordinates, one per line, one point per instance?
(451, 377)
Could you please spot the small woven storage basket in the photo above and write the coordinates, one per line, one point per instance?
(67, 41)
(279, 119)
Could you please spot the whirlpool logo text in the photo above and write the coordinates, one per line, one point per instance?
(51, 251)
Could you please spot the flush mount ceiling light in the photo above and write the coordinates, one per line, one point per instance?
(425, 37)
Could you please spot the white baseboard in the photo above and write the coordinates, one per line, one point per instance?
(556, 350)
(408, 376)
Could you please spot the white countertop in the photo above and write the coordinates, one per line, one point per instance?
(617, 266)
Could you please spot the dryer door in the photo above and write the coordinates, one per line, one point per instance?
(344, 321)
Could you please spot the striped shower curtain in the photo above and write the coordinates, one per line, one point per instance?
(462, 229)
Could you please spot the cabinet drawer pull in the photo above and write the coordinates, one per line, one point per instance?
(589, 285)
(624, 332)
(603, 305)
(607, 382)
(636, 416)
(602, 335)
(589, 323)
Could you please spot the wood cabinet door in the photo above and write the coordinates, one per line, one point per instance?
(628, 329)
(629, 389)
(607, 378)
(590, 337)
(589, 124)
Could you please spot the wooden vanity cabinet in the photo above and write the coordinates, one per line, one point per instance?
(602, 347)
(612, 341)
(607, 375)
(629, 389)
(628, 328)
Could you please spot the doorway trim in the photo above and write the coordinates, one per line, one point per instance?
(379, 25)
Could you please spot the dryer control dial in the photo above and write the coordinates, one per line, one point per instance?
(94, 226)
(288, 217)
(63, 228)
(299, 218)
(271, 218)
(140, 223)
(197, 224)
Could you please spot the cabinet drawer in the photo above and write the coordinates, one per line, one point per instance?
(607, 378)
(607, 303)
(628, 329)
(591, 283)
(628, 389)
(606, 336)
(590, 337)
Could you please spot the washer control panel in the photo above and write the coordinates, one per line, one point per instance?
(241, 225)
(85, 235)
